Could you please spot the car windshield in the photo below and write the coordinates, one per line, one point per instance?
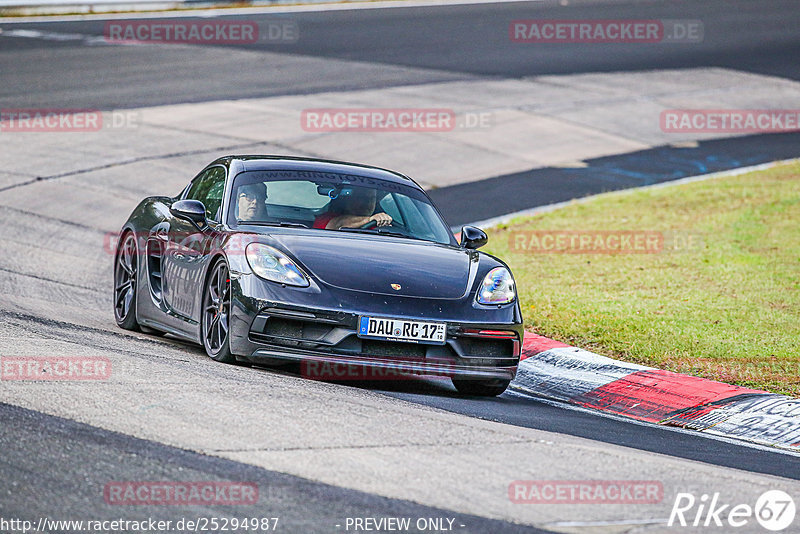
(333, 201)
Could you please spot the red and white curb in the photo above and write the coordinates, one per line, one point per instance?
(557, 371)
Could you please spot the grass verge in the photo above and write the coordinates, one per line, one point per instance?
(708, 285)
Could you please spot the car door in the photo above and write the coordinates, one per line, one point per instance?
(187, 246)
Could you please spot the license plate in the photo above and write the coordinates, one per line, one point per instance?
(402, 330)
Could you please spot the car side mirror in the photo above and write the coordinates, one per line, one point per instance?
(473, 237)
(191, 210)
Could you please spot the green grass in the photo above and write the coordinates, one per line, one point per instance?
(728, 308)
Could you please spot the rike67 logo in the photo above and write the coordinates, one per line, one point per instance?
(774, 510)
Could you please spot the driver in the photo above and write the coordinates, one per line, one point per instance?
(352, 211)
(251, 202)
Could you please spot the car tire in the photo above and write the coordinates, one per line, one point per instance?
(481, 388)
(215, 318)
(126, 270)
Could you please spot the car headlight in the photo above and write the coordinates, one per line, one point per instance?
(497, 287)
(272, 264)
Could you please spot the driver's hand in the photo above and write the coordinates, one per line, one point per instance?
(383, 219)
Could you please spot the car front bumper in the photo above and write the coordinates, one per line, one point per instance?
(356, 367)
(325, 342)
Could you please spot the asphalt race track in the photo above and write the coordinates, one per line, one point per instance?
(98, 456)
(324, 452)
(386, 48)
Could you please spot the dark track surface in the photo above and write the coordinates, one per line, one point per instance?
(380, 48)
(392, 46)
(73, 462)
(500, 195)
(529, 412)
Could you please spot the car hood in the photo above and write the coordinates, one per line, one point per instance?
(372, 264)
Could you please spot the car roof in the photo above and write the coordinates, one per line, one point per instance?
(239, 163)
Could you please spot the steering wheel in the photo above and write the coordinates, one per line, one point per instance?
(369, 224)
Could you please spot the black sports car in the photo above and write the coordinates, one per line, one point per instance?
(267, 259)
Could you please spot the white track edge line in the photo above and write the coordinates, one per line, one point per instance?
(732, 441)
(502, 219)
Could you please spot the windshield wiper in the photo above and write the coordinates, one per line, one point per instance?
(274, 223)
(378, 231)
